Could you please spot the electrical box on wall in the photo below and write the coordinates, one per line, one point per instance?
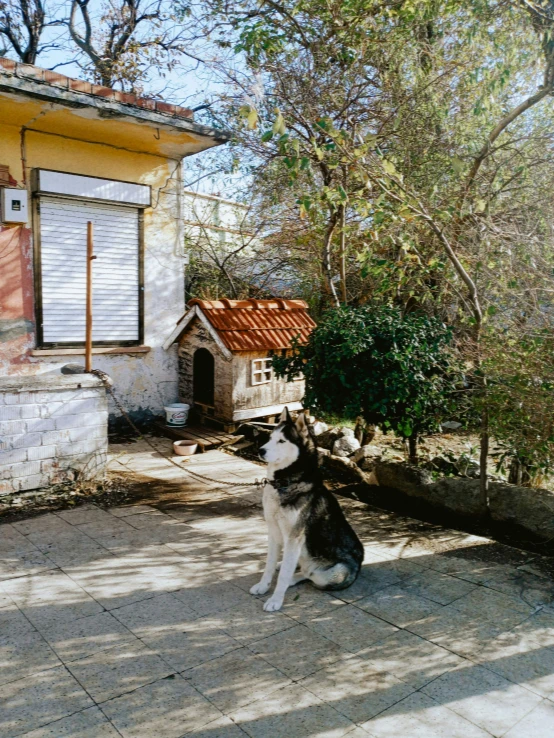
(13, 205)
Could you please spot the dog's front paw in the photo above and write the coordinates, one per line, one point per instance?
(273, 604)
(259, 589)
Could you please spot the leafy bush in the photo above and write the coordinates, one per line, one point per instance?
(398, 371)
(520, 403)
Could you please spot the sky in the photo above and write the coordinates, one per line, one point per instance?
(188, 84)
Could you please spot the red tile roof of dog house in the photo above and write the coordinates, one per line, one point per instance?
(252, 325)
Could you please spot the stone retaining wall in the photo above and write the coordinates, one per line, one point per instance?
(528, 509)
(53, 428)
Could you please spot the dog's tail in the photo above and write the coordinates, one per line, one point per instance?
(338, 576)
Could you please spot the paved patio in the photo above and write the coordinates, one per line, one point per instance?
(137, 622)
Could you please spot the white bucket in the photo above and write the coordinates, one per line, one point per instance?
(177, 414)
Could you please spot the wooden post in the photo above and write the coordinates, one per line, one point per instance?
(88, 328)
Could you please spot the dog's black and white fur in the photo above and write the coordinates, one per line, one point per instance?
(304, 519)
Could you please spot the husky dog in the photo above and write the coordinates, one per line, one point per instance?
(304, 519)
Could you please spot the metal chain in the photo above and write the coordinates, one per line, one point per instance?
(107, 382)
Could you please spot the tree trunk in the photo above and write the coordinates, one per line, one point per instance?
(369, 434)
(484, 440)
(342, 253)
(483, 458)
(359, 429)
(327, 270)
(514, 472)
(412, 449)
(518, 472)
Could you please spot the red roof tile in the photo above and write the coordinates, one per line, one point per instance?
(258, 325)
(45, 76)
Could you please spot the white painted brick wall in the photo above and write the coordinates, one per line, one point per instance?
(41, 452)
(12, 427)
(10, 412)
(25, 469)
(51, 429)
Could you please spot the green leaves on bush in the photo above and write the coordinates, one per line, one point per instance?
(397, 370)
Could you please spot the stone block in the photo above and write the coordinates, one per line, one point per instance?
(6, 487)
(20, 398)
(40, 425)
(457, 494)
(23, 469)
(22, 484)
(29, 411)
(10, 398)
(82, 447)
(22, 440)
(51, 409)
(81, 420)
(12, 427)
(532, 509)
(345, 445)
(88, 433)
(86, 405)
(13, 457)
(83, 394)
(36, 453)
(346, 469)
(56, 471)
(51, 437)
(10, 412)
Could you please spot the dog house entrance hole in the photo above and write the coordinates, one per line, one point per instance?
(203, 377)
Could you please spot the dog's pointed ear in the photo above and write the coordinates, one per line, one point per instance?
(302, 426)
(285, 416)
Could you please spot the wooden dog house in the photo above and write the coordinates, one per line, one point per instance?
(225, 354)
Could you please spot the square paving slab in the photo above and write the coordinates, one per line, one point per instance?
(137, 622)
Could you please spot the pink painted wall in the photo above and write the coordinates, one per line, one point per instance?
(16, 299)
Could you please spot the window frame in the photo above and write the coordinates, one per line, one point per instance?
(266, 368)
(37, 269)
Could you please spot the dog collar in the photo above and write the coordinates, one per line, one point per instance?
(282, 484)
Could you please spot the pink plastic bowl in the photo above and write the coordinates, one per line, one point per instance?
(185, 448)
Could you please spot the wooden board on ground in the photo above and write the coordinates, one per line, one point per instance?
(205, 437)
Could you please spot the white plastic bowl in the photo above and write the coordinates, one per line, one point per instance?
(185, 448)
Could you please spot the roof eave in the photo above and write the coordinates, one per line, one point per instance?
(187, 318)
(107, 108)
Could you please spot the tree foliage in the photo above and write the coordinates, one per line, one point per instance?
(520, 403)
(422, 132)
(398, 371)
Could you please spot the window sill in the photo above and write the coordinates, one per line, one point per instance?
(100, 350)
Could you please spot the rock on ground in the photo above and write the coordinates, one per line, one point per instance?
(319, 427)
(345, 445)
(366, 456)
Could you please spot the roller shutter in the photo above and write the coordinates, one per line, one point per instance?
(116, 271)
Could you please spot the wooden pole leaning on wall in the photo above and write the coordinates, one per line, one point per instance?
(88, 326)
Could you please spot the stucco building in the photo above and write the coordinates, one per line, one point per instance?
(79, 152)
(73, 152)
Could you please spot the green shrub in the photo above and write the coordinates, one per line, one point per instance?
(398, 371)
